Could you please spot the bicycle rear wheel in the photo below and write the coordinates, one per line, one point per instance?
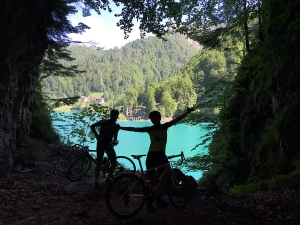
(79, 168)
(124, 165)
(125, 196)
(177, 189)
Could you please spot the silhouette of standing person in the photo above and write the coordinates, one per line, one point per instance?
(157, 151)
(106, 140)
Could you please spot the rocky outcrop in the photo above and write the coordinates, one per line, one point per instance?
(23, 43)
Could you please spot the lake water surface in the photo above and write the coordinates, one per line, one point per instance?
(181, 137)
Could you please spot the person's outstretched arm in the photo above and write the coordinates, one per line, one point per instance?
(135, 129)
(178, 118)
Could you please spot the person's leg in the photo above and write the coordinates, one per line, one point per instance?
(150, 175)
(111, 153)
(162, 159)
(150, 163)
(161, 186)
(99, 159)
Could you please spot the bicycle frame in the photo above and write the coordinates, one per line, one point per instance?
(128, 193)
(82, 164)
(87, 154)
(105, 162)
(168, 169)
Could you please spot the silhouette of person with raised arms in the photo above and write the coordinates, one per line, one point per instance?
(106, 140)
(156, 155)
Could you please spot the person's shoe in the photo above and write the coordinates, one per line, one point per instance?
(97, 187)
(161, 202)
(151, 208)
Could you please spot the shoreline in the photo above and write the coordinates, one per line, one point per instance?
(163, 119)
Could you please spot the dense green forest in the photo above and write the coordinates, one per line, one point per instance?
(113, 71)
(144, 72)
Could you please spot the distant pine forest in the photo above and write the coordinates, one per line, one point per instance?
(147, 72)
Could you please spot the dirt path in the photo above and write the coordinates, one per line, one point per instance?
(41, 194)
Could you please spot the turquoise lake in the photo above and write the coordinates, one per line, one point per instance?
(181, 137)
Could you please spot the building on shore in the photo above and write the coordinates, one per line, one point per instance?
(134, 113)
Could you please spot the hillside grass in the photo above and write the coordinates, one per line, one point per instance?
(96, 94)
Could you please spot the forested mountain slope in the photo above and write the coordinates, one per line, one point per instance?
(113, 71)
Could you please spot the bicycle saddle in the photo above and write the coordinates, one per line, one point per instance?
(137, 156)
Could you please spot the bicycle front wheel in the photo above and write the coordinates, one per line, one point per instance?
(177, 189)
(124, 165)
(125, 196)
(79, 168)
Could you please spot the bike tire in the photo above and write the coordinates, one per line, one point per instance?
(79, 168)
(124, 165)
(125, 196)
(177, 192)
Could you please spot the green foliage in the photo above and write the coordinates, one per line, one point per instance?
(169, 103)
(63, 101)
(260, 116)
(184, 84)
(210, 103)
(153, 18)
(162, 111)
(131, 96)
(122, 117)
(199, 162)
(52, 66)
(113, 72)
(96, 95)
(148, 99)
(208, 66)
(181, 89)
(291, 180)
(81, 122)
(222, 24)
(222, 160)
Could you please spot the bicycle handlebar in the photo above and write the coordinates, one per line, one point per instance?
(81, 147)
(179, 155)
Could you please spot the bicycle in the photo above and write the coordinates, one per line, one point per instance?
(81, 165)
(128, 193)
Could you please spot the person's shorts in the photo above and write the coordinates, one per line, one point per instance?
(105, 147)
(155, 159)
